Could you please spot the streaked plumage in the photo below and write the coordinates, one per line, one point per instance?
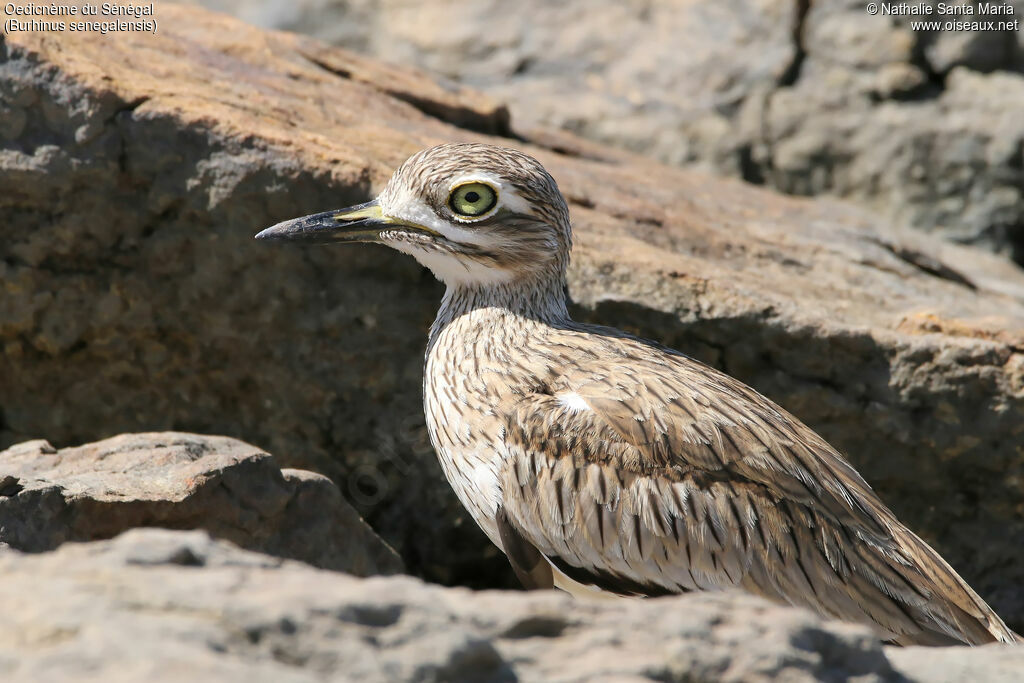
(599, 462)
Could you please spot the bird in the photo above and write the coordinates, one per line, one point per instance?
(607, 465)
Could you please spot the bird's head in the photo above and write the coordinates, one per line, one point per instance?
(475, 214)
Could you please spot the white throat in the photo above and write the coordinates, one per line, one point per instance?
(452, 270)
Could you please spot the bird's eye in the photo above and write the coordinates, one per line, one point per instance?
(472, 199)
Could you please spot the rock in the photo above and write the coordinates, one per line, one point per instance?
(807, 97)
(908, 121)
(134, 298)
(996, 665)
(163, 605)
(182, 481)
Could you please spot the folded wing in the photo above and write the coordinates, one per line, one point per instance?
(629, 477)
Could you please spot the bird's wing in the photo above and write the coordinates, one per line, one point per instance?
(643, 472)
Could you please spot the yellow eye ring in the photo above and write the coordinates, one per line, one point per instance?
(472, 200)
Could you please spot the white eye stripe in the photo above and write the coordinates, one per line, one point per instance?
(470, 178)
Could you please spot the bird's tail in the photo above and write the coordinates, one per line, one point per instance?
(958, 614)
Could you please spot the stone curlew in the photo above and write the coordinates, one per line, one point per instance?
(603, 463)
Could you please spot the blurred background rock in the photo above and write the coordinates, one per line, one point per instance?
(807, 97)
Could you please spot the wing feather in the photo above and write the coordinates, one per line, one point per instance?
(651, 487)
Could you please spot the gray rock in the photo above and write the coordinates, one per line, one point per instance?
(162, 605)
(809, 98)
(909, 122)
(132, 296)
(952, 665)
(182, 481)
(166, 605)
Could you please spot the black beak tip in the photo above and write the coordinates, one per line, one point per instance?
(277, 233)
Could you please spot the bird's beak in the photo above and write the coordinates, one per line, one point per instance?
(361, 223)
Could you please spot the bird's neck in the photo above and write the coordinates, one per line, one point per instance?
(540, 299)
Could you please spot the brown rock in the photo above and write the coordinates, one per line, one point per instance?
(807, 97)
(134, 298)
(182, 481)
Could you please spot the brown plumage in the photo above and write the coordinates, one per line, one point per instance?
(602, 463)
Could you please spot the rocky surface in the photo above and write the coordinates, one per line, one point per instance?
(136, 169)
(160, 605)
(807, 97)
(182, 481)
